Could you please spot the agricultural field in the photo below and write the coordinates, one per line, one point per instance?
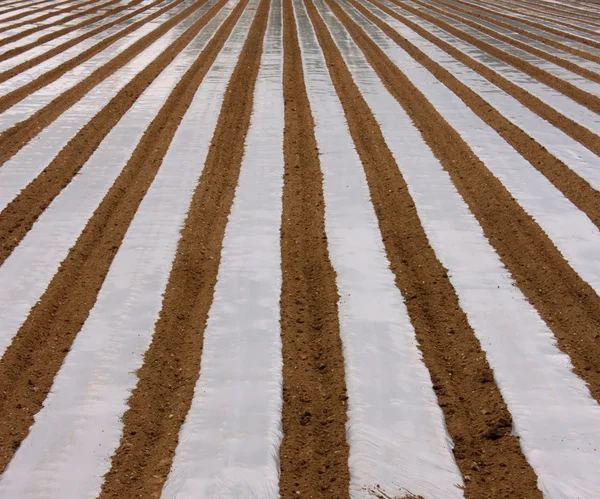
(299, 249)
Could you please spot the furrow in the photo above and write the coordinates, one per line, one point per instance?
(68, 178)
(575, 6)
(20, 56)
(36, 10)
(547, 401)
(164, 392)
(25, 6)
(558, 29)
(73, 9)
(54, 8)
(590, 24)
(396, 413)
(17, 31)
(565, 10)
(39, 37)
(578, 122)
(517, 22)
(475, 413)
(551, 231)
(567, 164)
(58, 29)
(234, 421)
(22, 94)
(581, 90)
(75, 128)
(549, 13)
(20, 12)
(82, 282)
(314, 451)
(574, 60)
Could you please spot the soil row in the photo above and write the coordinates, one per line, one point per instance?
(95, 7)
(560, 61)
(546, 111)
(5, 75)
(541, 26)
(162, 398)
(22, 212)
(567, 304)
(43, 341)
(38, 8)
(314, 452)
(584, 98)
(537, 10)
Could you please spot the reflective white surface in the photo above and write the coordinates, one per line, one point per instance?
(70, 445)
(574, 155)
(35, 101)
(24, 7)
(560, 102)
(57, 18)
(58, 59)
(572, 30)
(547, 66)
(26, 273)
(396, 431)
(29, 161)
(553, 412)
(510, 18)
(567, 56)
(229, 442)
(573, 233)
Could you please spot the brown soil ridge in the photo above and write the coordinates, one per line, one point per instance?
(29, 12)
(163, 395)
(96, 6)
(571, 128)
(592, 102)
(586, 99)
(21, 213)
(567, 304)
(15, 96)
(477, 419)
(34, 29)
(537, 15)
(5, 75)
(16, 6)
(576, 189)
(314, 452)
(548, 29)
(538, 9)
(560, 61)
(13, 139)
(30, 363)
(43, 16)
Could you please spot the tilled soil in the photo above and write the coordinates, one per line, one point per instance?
(315, 458)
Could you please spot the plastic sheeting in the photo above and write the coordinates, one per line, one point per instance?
(69, 447)
(573, 233)
(396, 432)
(27, 272)
(549, 67)
(43, 96)
(64, 56)
(229, 443)
(567, 56)
(555, 99)
(26, 165)
(553, 413)
(50, 20)
(574, 155)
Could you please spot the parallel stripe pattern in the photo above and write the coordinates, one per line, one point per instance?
(299, 248)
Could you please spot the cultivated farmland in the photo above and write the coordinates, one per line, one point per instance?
(299, 249)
